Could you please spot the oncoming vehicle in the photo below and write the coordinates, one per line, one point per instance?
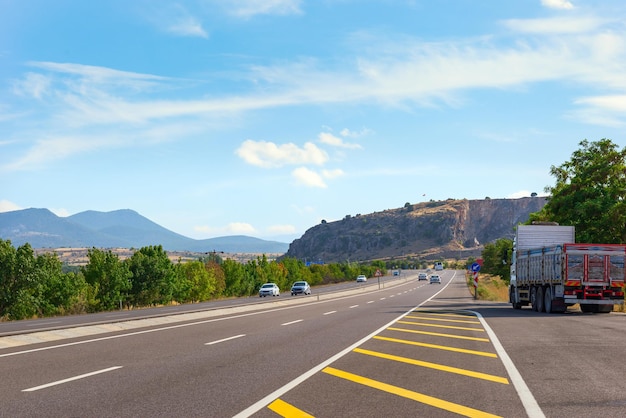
(269, 289)
(361, 278)
(422, 276)
(438, 266)
(434, 278)
(300, 287)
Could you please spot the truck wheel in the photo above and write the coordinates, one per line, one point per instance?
(547, 300)
(539, 298)
(533, 298)
(516, 305)
(587, 308)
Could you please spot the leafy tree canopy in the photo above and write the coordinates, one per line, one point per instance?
(590, 193)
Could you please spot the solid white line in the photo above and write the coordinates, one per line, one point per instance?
(225, 339)
(331, 312)
(82, 376)
(292, 322)
(528, 400)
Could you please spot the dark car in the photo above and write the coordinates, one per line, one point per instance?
(300, 288)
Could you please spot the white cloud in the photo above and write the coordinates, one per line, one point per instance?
(331, 174)
(270, 155)
(188, 26)
(555, 25)
(7, 206)
(60, 212)
(601, 110)
(329, 139)
(33, 84)
(308, 177)
(347, 133)
(233, 228)
(558, 4)
(250, 8)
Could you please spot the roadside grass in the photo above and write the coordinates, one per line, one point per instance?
(490, 287)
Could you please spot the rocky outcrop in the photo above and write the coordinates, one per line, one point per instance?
(451, 228)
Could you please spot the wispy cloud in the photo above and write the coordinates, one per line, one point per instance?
(7, 206)
(270, 155)
(558, 4)
(233, 228)
(174, 18)
(330, 139)
(555, 25)
(250, 8)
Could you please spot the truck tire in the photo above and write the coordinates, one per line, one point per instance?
(516, 305)
(587, 308)
(539, 298)
(533, 298)
(547, 300)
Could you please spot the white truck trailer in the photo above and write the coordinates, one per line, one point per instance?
(550, 272)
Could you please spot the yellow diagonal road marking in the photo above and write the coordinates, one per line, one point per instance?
(441, 326)
(446, 313)
(409, 394)
(438, 347)
(284, 409)
(449, 369)
(432, 318)
(438, 334)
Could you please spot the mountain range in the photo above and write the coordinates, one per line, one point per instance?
(123, 228)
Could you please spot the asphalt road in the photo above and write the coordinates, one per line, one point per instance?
(403, 349)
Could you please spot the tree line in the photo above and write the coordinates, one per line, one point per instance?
(34, 285)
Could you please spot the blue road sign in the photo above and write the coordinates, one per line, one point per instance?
(475, 267)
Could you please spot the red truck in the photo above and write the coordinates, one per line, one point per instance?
(550, 272)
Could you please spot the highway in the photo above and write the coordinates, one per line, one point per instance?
(403, 348)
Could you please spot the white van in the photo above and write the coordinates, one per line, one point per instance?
(438, 266)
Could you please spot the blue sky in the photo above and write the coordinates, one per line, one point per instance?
(264, 117)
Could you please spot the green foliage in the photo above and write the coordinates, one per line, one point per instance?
(109, 277)
(497, 258)
(590, 193)
(153, 277)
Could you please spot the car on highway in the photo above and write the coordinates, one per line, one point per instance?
(269, 289)
(300, 287)
(361, 278)
(396, 273)
(434, 278)
(422, 276)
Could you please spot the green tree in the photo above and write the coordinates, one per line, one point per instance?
(590, 193)
(194, 283)
(497, 258)
(153, 276)
(109, 278)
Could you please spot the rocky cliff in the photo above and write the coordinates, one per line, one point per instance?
(428, 230)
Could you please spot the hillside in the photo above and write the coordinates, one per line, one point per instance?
(117, 229)
(450, 229)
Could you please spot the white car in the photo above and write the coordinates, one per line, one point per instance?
(434, 278)
(361, 278)
(269, 289)
(422, 276)
(300, 287)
